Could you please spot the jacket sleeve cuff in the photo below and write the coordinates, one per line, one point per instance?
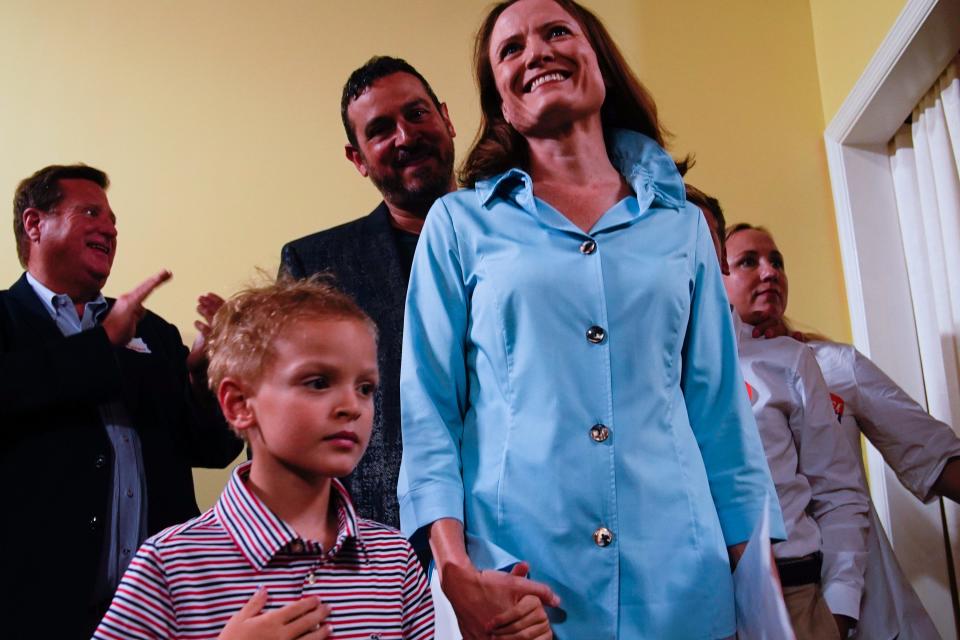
(925, 492)
(738, 523)
(843, 599)
(427, 504)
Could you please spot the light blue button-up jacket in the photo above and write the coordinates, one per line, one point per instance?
(500, 388)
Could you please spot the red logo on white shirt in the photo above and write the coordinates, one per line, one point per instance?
(837, 405)
(751, 392)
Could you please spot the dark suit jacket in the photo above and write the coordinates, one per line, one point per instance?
(55, 456)
(363, 256)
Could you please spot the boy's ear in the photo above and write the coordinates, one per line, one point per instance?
(234, 399)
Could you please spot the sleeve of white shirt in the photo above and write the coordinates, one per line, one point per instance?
(915, 444)
(433, 379)
(838, 502)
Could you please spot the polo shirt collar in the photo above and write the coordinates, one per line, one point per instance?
(260, 535)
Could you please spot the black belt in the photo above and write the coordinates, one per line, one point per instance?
(796, 572)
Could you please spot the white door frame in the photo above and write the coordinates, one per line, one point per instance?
(924, 38)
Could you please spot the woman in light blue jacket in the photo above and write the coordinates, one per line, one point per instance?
(570, 391)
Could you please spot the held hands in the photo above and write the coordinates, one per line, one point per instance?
(121, 323)
(494, 604)
(526, 620)
(207, 306)
(303, 620)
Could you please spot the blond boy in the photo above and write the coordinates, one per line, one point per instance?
(282, 554)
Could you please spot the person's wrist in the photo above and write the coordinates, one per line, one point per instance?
(456, 569)
(845, 624)
(462, 586)
(735, 552)
(112, 331)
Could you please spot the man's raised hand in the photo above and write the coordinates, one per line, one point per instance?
(207, 306)
(121, 323)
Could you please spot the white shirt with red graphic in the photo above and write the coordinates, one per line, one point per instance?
(814, 469)
(916, 446)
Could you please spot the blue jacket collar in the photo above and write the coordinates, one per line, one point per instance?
(647, 167)
(513, 182)
(643, 163)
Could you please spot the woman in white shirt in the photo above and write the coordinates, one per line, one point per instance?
(814, 469)
(922, 450)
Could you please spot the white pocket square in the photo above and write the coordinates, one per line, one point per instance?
(138, 345)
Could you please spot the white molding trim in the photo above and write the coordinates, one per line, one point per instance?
(922, 41)
(924, 37)
(903, 32)
(848, 245)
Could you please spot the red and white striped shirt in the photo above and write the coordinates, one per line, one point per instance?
(188, 580)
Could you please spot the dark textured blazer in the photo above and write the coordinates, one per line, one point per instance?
(55, 456)
(363, 257)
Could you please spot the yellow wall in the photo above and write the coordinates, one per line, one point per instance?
(737, 82)
(219, 122)
(846, 34)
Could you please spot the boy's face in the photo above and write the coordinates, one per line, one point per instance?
(313, 407)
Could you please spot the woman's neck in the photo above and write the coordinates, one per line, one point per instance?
(572, 172)
(574, 155)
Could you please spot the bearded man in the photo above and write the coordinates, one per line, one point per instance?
(399, 135)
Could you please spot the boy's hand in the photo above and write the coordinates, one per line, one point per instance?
(301, 620)
(480, 597)
(526, 620)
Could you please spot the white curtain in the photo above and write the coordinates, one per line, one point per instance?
(924, 158)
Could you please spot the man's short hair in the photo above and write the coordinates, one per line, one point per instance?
(240, 344)
(712, 205)
(42, 191)
(361, 79)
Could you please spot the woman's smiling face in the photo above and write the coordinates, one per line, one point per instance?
(545, 68)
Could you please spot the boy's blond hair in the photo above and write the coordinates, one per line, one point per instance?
(243, 330)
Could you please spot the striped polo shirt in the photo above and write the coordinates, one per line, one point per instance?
(187, 581)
